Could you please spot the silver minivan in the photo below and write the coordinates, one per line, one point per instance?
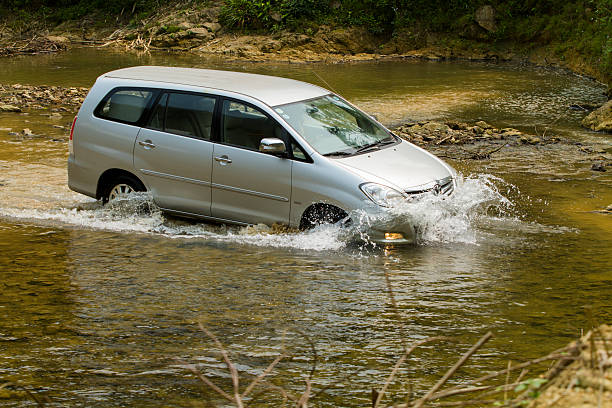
(245, 149)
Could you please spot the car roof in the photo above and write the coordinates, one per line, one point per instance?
(271, 90)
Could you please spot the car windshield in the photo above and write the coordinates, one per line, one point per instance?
(333, 127)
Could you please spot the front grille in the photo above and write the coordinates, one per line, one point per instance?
(443, 186)
(448, 187)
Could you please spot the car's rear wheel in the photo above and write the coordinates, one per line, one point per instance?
(122, 185)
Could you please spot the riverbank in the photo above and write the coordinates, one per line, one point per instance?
(205, 28)
(587, 381)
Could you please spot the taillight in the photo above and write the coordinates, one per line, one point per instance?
(72, 127)
(70, 147)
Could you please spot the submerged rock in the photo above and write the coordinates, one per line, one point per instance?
(600, 119)
(9, 108)
(483, 124)
(598, 166)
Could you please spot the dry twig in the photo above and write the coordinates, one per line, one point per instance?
(453, 369)
(237, 397)
(381, 393)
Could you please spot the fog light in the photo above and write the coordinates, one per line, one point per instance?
(391, 236)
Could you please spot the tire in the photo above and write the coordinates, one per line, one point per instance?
(321, 214)
(123, 184)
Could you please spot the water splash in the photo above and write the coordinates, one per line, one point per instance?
(477, 200)
(441, 219)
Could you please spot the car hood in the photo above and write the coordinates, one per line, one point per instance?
(404, 165)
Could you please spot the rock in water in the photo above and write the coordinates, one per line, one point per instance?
(9, 108)
(600, 119)
(598, 166)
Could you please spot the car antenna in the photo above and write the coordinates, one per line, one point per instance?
(324, 81)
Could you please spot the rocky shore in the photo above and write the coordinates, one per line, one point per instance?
(18, 98)
(198, 27)
(480, 141)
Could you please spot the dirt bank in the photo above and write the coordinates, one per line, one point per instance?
(587, 381)
(196, 27)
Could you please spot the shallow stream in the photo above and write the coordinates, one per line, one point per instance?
(97, 303)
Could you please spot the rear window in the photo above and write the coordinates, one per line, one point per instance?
(124, 105)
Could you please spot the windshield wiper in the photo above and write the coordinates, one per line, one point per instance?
(375, 144)
(339, 153)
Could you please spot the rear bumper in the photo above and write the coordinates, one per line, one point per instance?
(77, 179)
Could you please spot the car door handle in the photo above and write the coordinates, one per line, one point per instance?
(223, 160)
(147, 144)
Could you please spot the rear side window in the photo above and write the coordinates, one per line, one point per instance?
(124, 105)
(184, 114)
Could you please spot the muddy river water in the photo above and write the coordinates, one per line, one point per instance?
(98, 303)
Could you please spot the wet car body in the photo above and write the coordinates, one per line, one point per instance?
(245, 149)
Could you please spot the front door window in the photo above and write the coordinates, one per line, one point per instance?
(245, 126)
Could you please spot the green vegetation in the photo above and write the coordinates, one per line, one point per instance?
(581, 28)
(21, 13)
(574, 29)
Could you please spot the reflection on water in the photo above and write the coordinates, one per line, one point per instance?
(98, 301)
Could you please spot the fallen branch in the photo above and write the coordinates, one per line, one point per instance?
(237, 397)
(453, 369)
(381, 393)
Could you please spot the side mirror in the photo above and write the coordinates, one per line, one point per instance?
(273, 146)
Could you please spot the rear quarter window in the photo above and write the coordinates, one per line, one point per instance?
(124, 105)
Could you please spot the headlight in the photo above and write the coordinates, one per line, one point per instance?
(382, 195)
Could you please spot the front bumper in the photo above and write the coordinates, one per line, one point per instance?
(405, 235)
(383, 226)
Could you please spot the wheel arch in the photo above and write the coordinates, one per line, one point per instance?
(318, 213)
(109, 175)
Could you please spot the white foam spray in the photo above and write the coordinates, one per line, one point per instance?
(436, 218)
